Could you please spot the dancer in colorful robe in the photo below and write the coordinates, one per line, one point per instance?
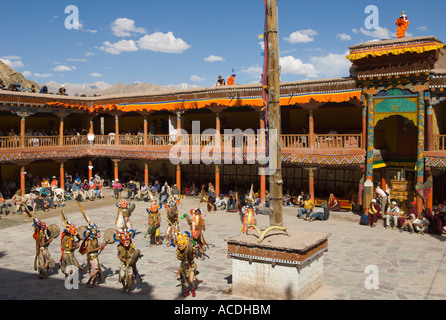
(249, 213)
(92, 249)
(172, 219)
(124, 212)
(154, 222)
(129, 256)
(185, 249)
(69, 244)
(197, 227)
(43, 261)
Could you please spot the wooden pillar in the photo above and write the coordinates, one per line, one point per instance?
(217, 148)
(145, 131)
(146, 173)
(311, 129)
(62, 176)
(90, 170)
(274, 123)
(22, 132)
(22, 179)
(61, 129)
(116, 129)
(430, 198)
(91, 129)
(383, 183)
(262, 145)
(116, 169)
(368, 184)
(420, 151)
(311, 183)
(178, 166)
(364, 126)
(429, 128)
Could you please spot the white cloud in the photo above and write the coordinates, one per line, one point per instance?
(119, 47)
(81, 28)
(12, 61)
(343, 37)
(196, 78)
(62, 68)
(213, 58)
(95, 74)
(89, 54)
(253, 71)
(292, 65)
(302, 36)
(380, 33)
(423, 28)
(332, 65)
(44, 75)
(77, 60)
(163, 42)
(124, 27)
(28, 74)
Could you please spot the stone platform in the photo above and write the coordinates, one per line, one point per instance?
(281, 267)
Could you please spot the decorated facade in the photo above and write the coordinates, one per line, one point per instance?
(382, 124)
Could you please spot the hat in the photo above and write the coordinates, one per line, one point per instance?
(394, 203)
(220, 195)
(373, 200)
(230, 192)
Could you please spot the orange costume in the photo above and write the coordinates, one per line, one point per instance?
(402, 23)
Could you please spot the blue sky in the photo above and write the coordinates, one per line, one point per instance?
(170, 42)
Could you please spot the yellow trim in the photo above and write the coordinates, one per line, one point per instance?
(374, 54)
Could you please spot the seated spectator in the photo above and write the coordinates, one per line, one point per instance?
(232, 202)
(143, 192)
(131, 190)
(392, 214)
(97, 190)
(333, 203)
(267, 198)
(4, 210)
(19, 203)
(86, 191)
(175, 192)
(320, 215)
(286, 199)
(59, 199)
(221, 202)
(408, 223)
(117, 188)
(421, 224)
(193, 190)
(257, 199)
(307, 209)
(44, 90)
(300, 199)
(436, 221)
(374, 213)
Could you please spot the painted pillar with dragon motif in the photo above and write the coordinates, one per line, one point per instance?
(368, 185)
(420, 150)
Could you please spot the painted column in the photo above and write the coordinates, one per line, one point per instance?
(364, 125)
(22, 132)
(146, 173)
(178, 171)
(62, 176)
(420, 151)
(90, 170)
(61, 129)
(368, 184)
(217, 148)
(116, 169)
(145, 131)
(22, 179)
(311, 129)
(116, 129)
(429, 128)
(262, 147)
(311, 183)
(91, 129)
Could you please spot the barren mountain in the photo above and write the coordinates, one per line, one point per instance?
(10, 76)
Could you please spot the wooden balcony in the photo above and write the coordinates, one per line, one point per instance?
(440, 142)
(159, 146)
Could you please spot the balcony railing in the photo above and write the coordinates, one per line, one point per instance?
(440, 142)
(346, 141)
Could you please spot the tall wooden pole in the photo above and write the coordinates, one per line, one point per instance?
(275, 178)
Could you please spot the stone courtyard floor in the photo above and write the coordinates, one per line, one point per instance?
(407, 266)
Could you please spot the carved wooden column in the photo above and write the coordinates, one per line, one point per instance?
(62, 175)
(117, 129)
(311, 129)
(420, 151)
(146, 173)
(116, 168)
